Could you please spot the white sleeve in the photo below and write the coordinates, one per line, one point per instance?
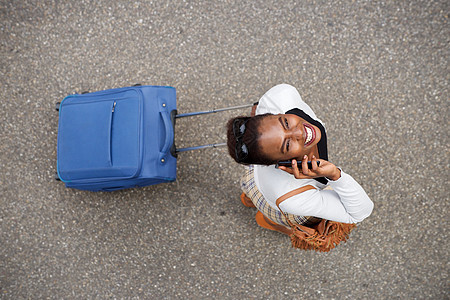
(280, 99)
(346, 203)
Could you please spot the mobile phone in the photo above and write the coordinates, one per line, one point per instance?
(288, 163)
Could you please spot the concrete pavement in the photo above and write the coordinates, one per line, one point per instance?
(375, 72)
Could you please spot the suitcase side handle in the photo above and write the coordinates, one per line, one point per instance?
(169, 131)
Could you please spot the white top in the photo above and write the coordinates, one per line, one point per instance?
(347, 202)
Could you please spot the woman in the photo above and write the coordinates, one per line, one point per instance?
(285, 128)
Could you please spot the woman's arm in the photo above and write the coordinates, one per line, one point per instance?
(347, 202)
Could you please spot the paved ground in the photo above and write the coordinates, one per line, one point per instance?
(375, 71)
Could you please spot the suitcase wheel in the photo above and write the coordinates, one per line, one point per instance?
(57, 106)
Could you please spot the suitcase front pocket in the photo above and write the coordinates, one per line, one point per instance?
(99, 136)
(85, 139)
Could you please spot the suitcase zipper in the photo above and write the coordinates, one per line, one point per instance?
(110, 132)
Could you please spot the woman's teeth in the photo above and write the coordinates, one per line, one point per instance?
(309, 135)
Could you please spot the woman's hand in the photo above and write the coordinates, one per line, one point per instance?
(253, 113)
(326, 169)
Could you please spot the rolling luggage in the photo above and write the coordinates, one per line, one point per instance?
(119, 138)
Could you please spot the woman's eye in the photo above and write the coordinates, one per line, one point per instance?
(286, 123)
(287, 145)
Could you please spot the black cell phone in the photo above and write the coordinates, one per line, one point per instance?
(288, 163)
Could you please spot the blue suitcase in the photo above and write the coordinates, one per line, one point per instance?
(119, 138)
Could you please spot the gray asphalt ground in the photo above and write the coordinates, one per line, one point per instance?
(376, 72)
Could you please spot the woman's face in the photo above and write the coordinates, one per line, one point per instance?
(287, 136)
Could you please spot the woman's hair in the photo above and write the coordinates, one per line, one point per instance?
(250, 138)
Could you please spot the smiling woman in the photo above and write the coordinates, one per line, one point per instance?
(288, 136)
(286, 128)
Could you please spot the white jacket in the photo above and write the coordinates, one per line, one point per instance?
(347, 202)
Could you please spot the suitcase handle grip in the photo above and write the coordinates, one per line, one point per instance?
(169, 131)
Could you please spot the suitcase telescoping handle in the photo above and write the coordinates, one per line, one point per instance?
(177, 116)
(212, 111)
